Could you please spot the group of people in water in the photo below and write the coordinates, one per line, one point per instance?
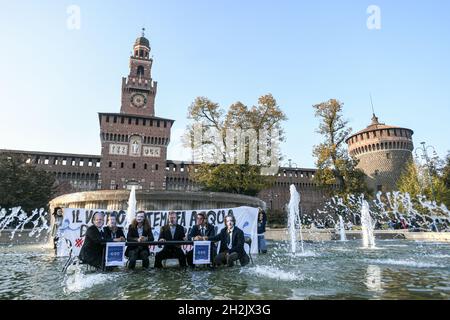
(231, 240)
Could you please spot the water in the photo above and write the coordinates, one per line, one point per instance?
(294, 221)
(331, 270)
(368, 226)
(342, 229)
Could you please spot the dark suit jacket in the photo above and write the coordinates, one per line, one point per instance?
(108, 233)
(92, 250)
(195, 231)
(133, 234)
(167, 235)
(237, 243)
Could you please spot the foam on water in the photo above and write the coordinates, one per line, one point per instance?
(78, 281)
(274, 273)
(406, 263)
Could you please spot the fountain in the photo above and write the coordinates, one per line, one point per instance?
(131, 212)
(367, 227)
(294, 220)
(342, 229)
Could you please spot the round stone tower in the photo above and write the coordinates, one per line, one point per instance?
(383, 152)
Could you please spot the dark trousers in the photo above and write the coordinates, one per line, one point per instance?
(173, 253)
(138, 253)
(190, 256)
(225, 258)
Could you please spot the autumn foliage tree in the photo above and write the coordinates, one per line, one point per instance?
(240, 144)
(336, 170)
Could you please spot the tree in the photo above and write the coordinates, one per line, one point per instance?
(336, 171)
(22, 184)
(416, 181)
(239, 148)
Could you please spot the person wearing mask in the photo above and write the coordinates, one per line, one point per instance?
(139, 231)
(112, 231)
(92, 251)
(262, 221)
(201, 229)
(171, 232)
(231, 244)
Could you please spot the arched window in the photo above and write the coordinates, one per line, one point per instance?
(140, 71)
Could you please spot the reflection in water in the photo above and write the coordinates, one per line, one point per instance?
(373, 279)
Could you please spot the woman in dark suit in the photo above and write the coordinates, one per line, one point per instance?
(139, 231)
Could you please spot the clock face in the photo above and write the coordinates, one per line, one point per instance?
(138, 100)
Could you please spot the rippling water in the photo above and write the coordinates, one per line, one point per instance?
(332, 270)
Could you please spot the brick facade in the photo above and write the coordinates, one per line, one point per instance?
(382, 151)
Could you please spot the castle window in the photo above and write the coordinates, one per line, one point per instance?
(73, 163)
(81, 164)
(110, 164)
(97, 164)
(144, 122)
(136, 53)
(156, 167)
(165, 124)
(90, 163)
(122, 119)
(46, 161)
(64, 162)
(115, 119)
(140, 71)
(137, 121)
(107, 118)
(121, 165)
(145, 166)
(158, 123)
(129, 120)
(388, 156)
(134, 165)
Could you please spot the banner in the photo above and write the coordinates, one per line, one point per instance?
(76, 221)
(202, 252)
(115, 254)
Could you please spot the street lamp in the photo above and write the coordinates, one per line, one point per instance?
(425, 156)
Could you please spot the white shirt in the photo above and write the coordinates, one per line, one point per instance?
(230, 245)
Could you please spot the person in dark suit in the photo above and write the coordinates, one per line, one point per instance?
(171, 232)
(231, 244)
(112, 231)
(92, 251)
(139, 231)
(197, 232)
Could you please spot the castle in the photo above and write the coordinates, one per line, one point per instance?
(134, 151)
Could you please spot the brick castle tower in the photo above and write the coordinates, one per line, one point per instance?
(134, 141)
(383, 152)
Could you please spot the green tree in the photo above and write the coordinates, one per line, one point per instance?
(415, 180)
(336, 170)
(24, 185)
(240, 144)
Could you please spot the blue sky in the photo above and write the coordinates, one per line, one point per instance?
(53, 80)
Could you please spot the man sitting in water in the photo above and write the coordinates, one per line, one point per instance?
(200, 230)
(92, 250)
(231, 244)
(171, 232)
(112, 231)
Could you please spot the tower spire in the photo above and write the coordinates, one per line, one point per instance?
(374, 117)
(143, 32)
